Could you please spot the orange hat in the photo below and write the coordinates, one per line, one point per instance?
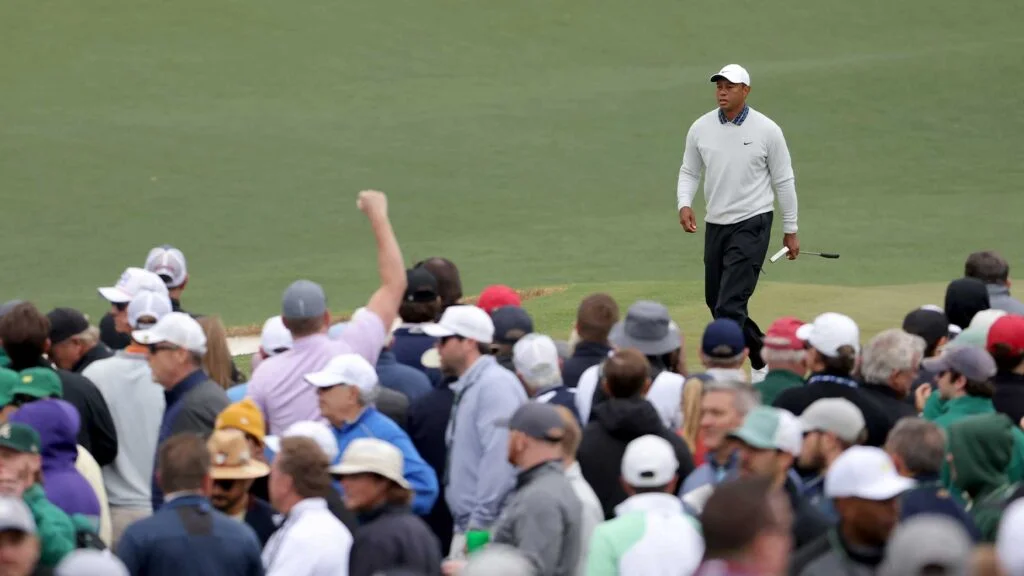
(244, 416)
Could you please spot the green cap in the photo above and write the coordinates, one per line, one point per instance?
(20, 437)
(767, 428)
(8, 380)
(39, 383)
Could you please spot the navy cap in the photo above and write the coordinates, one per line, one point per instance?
(536, 420)
(421, 285)
(723, 338)
(510, 324)
(303, 299)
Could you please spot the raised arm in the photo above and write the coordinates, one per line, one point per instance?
(385, 301)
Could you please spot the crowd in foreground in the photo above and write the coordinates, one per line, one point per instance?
(427, 435)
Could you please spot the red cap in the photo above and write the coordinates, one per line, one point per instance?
(496, 296)
(782, 334)
(1008, 330)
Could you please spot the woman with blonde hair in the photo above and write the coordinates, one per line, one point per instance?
(217, 360)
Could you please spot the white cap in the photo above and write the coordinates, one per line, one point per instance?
(465, 321)
(274, 337)
(372, 456)
(535, 356)
(148, 303)
(733, 73)
(316, 431)
(836, 415)
(89, 562)
(168, 261)
(867, 473)
(829, 332)
(176, 328)
(1009, 537)
(347, 369)
(133, 281)
(649, 461)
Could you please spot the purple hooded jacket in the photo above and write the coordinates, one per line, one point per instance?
(57, 423)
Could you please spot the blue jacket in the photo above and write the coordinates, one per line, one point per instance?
(931, 497)
(408, 345)
(813, 491)
(584, 355)
(710, 472)
(372, 424)
(559, 396)
(401, 378)
(187, 536)
(428, 419)
(479, 477)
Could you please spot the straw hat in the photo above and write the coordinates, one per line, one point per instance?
(231, 458)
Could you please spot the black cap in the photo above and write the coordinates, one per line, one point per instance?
(927, 323)
(422, 285)
(510, 324)
(65, 323)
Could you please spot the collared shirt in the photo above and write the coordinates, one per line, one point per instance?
(310, 542)
(278, 385)
(738, 120)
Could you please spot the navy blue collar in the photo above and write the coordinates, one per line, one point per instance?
(188, 500)
(738, 120)
(185, 386)
(591, 349)
(386, 358)
(820, 378)
(547, 389)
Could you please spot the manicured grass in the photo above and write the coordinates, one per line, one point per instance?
(535, 143)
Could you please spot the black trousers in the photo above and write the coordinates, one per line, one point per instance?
(733, 256)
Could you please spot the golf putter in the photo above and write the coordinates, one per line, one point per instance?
(785, 250)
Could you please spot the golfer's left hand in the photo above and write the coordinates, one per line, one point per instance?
(793, 243)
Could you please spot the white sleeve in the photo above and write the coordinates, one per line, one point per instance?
(689, 171)
(291, 557)
(780, 166)
(585, 393)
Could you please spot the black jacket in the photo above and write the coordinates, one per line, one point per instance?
(393, 537)
(110, 336)
(394, 405)
(614, 424)
(819, 386)
(1009, 396)
(98, 352)
(585, 355)
(889, 407)
(428, 420)
(260, 517)
(808, 522)
(97, 434)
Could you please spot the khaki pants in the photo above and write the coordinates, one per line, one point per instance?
(121, 518)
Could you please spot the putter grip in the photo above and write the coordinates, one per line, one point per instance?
(832, 255)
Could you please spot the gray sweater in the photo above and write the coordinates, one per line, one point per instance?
(999, 298)
(543, 520)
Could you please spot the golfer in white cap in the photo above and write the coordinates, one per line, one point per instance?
(743, 156)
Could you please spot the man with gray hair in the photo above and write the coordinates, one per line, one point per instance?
(918, 450)
(347, 388)
(889, 366)
(74, 344)
(994, 271)
(535, 358)
(724, 405)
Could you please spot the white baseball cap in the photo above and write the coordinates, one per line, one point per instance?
(836, 415)
(649, 462)
(316, 431)
(867, 473)
(147, 303)
(829, 332)
(168, 261)
(535, 356)
(1009, 537)
(132, 281)
(345, 369)
(275, 338)
(176, 328)
(372, 456)
(733, 73)
(465, 321)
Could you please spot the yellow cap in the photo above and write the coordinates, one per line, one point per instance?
(244, 416)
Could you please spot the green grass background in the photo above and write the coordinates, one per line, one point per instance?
(534, 142)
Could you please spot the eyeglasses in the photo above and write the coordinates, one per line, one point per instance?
(154, 348)
(224, 484)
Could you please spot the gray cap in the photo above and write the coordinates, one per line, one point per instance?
(927, 540)
(15, 515)
(303, 299)
(87, 562)
(974, 363)
(7, 306)
(648, 328)
(498, 560)
(536, 420)
(836, 415)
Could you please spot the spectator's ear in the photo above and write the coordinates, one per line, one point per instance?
(647, 386)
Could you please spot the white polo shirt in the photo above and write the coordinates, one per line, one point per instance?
(310, 542)
(742, 161)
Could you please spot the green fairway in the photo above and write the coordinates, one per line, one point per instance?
(535, 143)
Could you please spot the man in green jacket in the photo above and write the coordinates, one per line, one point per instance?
(786, 357)
(980, 449)
(20, 472)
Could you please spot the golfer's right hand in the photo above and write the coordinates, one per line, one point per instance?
(373, 203)
(687, 219)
